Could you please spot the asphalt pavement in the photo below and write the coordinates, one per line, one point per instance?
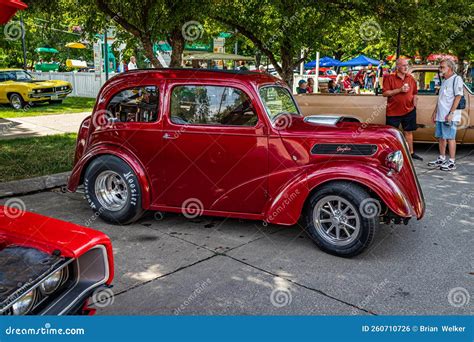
(169, 265)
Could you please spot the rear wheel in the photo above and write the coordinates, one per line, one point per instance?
(112, 189)
(16, 101)
(341, 218)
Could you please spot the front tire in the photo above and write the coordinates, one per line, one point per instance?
(112, 189)
(16, 101)
(341, 218)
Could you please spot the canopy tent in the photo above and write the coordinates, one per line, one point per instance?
(360, 60)
(323, 62)
(75, 45)
(203, 56)
(436, 57)
(391, 58)
(47, 50)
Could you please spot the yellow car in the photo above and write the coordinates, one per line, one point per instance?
(18, 87)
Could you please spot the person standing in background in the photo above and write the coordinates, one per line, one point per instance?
(400, 89)
(133, 63)
(446, 116)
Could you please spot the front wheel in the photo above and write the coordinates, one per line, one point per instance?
(341, 218)
(16, 101)
(112, 189)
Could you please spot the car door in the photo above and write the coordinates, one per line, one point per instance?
(214, 150)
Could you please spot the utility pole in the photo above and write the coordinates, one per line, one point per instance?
(23, 44)
(399, 42)
(106, 56)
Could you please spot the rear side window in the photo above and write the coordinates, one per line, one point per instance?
(139, 104)
(211, 105)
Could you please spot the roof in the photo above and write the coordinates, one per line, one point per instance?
(196, 55)
(11, 69)
(186, 73)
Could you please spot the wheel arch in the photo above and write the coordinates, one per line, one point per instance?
(126, 156)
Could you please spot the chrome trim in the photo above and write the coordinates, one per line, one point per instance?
(40, 95)
(36, 285)
(81, 295)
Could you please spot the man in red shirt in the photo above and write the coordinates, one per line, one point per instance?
(400, 89)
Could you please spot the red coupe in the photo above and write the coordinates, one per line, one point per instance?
(235, 144)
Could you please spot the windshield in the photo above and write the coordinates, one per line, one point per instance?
(277, 100)
(15, 75)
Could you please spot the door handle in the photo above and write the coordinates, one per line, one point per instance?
(169, 136)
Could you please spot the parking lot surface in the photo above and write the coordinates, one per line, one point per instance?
(166, 264)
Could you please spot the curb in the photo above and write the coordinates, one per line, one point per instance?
(25, 186)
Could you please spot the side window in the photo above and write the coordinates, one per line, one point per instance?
(211, 105)
(139, 104)
(427, 82)
(3, 77)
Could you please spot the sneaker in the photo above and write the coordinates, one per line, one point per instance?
(438, 162)
(416, 156)
(449, 165)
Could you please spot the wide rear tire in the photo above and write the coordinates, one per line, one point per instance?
(112, 189)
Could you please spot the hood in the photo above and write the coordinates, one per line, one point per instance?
(22, 228)
(312, 139)
(41, 83)
(333, 127)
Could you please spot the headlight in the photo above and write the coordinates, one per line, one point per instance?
(52, 283)
(24, 304)
(394, 161)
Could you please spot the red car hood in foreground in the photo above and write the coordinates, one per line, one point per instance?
(24, 228)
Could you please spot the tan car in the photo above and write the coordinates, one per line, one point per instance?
(371, 108)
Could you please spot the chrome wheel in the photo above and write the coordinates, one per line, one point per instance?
(16, 101)
(111, 190)
(336, 220)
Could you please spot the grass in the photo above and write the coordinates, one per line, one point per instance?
(69, 105)
(32, 157)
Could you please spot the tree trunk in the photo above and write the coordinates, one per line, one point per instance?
(287, 66)
(176, 40)
(148, 47)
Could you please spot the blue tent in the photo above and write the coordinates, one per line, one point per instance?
(323, 62)
(359, 60)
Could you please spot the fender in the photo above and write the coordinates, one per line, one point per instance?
(386, 188)
(124, 154)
